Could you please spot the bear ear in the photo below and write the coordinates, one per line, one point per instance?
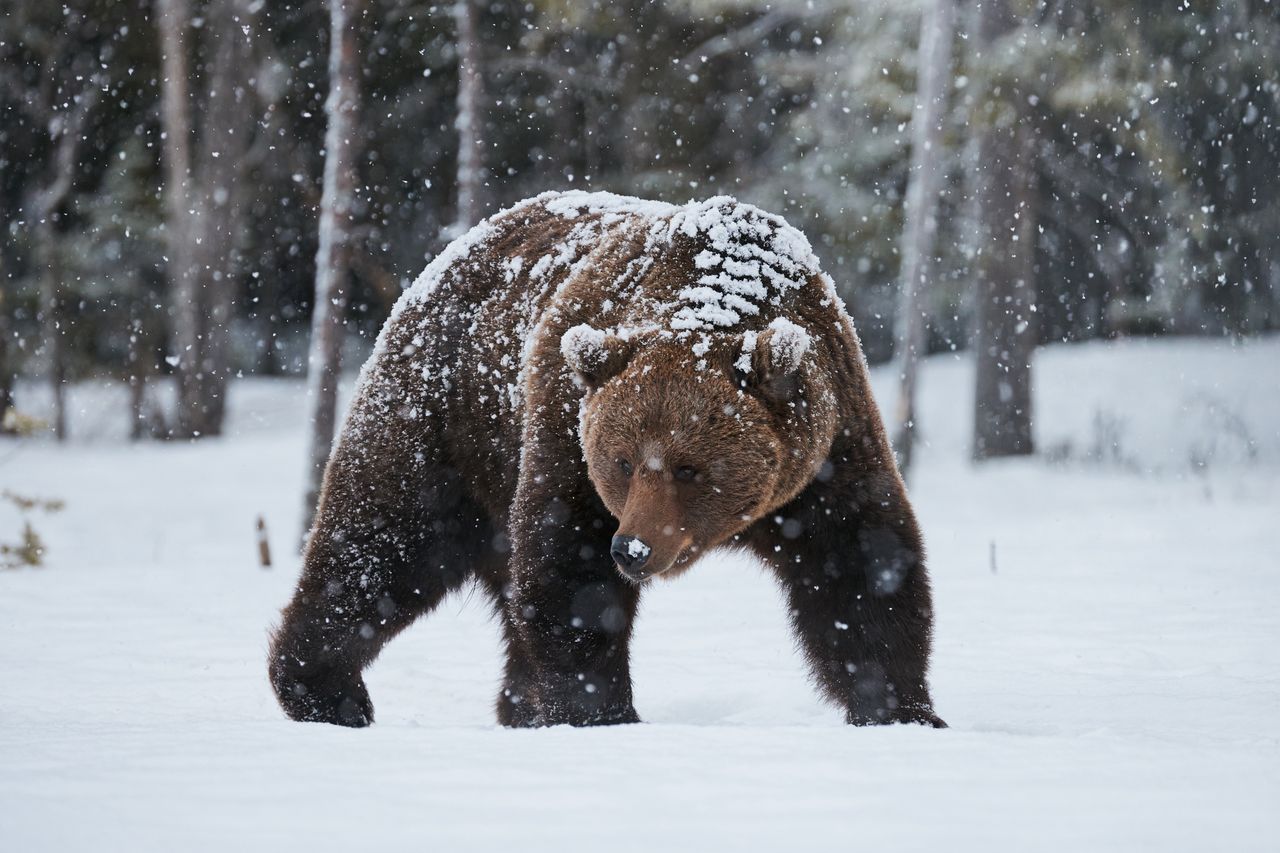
(769, 363)
(594, 356)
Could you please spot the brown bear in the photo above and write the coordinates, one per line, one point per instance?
(586, 392)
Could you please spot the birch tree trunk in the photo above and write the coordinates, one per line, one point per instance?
(928, 168)
(470, 92)
(1004, 175)
(333, 257)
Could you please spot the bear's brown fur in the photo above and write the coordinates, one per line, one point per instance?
(587, 374)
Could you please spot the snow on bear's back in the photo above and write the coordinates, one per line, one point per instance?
(748, 257)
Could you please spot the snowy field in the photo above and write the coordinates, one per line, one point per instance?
(1108, 654)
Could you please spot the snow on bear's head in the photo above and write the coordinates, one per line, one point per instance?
(689, 439)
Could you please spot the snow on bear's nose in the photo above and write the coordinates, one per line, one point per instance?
(630, 553)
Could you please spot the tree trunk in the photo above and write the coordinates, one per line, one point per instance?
(49, 212)
(8, 370)
(224, 150)
(470, 92)
(928, 167)
(268, 326)
(328, 315)
(203, 187)
(51, 321)
(136, 377)
(1005, 264)
(175, 119)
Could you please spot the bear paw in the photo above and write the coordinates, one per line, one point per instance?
(572, 715)
(916, 715)
(338, 702)
(922, 716)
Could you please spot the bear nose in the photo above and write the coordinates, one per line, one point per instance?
(630, 553)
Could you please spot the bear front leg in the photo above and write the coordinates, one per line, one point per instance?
(571, 614)
(517, 703)
(851, 560)
(392, 537)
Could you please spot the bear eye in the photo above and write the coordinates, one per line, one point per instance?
(686, 474)
(625, 466)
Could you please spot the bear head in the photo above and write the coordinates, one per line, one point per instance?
(690, 439)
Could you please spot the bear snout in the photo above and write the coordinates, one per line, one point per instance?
(631, 553)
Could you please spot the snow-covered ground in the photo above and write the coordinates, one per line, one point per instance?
(1108, 654)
